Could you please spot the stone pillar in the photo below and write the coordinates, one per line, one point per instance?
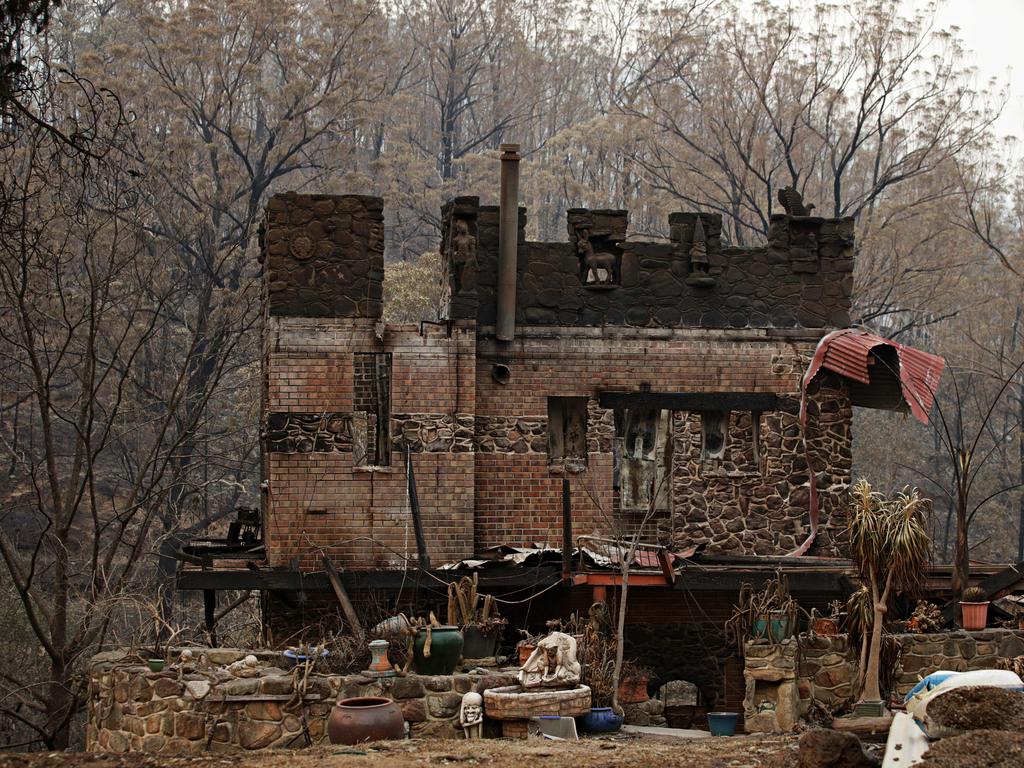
(324, 255)
(770, 704)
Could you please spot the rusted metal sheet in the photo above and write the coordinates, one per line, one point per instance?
(855, 355)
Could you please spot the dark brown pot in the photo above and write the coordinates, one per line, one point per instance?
(365, 718)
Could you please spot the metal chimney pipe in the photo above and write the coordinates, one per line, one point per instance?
(508, 242)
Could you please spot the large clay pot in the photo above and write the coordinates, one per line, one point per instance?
(365, 718)
(445, 651)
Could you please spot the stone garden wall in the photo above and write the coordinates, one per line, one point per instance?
(200, 707)
(826, 667)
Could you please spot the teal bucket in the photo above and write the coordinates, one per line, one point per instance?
(722, 723)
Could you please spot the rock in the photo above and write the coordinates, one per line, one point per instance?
(263, 710)
(255, 734)
(117, 742)
(407, 688)
(165, 687)
(413, 710)
(832, 749)
(139, 689)
(153, 743)
(444, 729)
(438, 684)
(244, 687)
(276, 686)
(444, 706)
(197, 689)
(190, 725)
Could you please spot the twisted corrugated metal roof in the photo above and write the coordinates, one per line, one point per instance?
(852, 353)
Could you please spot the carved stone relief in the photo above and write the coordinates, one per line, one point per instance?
(597, 236)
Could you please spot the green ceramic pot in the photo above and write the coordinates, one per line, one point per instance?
(445, 651)
(781, 626)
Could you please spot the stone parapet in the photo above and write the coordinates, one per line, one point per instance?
(204, 707)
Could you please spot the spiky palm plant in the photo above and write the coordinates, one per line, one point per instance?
(891, 548)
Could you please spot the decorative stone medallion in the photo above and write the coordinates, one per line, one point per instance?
(302, 247)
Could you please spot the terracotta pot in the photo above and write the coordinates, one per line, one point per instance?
(975, 615)
(365, 718)
(525, 651)
(633, 691)
(826, 627)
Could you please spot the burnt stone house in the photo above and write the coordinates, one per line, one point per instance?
(601, 386)
(652, 375)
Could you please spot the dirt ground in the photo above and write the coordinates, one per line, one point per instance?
(980, 707)
(977, 749)
(629, 752)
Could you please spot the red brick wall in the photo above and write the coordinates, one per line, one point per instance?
(362, 516)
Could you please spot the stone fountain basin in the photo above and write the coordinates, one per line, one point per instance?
(515, 703)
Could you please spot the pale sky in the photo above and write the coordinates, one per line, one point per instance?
(993, 32)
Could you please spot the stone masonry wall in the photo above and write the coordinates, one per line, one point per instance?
(324, 255)
(827, 666)
(802, 277)
(758, 509)
(188, 710)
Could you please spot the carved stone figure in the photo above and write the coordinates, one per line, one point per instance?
(598, 268)
(552, 664)
(793, 202)
(699, 249)
(464, 256)
(471, 715)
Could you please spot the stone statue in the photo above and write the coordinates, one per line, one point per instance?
(464, 256)
(552, 664)
(699, 249)
(598, 268)
(793, 202)
(471, 715)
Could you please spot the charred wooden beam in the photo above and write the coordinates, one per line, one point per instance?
(691, 401)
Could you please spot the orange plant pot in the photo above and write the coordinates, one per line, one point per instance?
(633, 691)
(524, 652)
(975, 615)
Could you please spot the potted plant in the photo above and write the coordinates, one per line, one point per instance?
(305, 653)
(633, 683)
(477, 616)
(596, 646)
(974, 607)
(526, 646)
(827, 626)
(769, 613)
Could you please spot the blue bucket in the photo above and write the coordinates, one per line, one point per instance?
(722, 723)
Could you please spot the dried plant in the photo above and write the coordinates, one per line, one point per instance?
(773, 597)
(468, 608)
(926, 618)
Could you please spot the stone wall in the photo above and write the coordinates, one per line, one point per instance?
(826, 667)
(802, 277)
(194, 709)
(961, 651)
(324, 255)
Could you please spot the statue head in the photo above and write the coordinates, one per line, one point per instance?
(472, 707)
